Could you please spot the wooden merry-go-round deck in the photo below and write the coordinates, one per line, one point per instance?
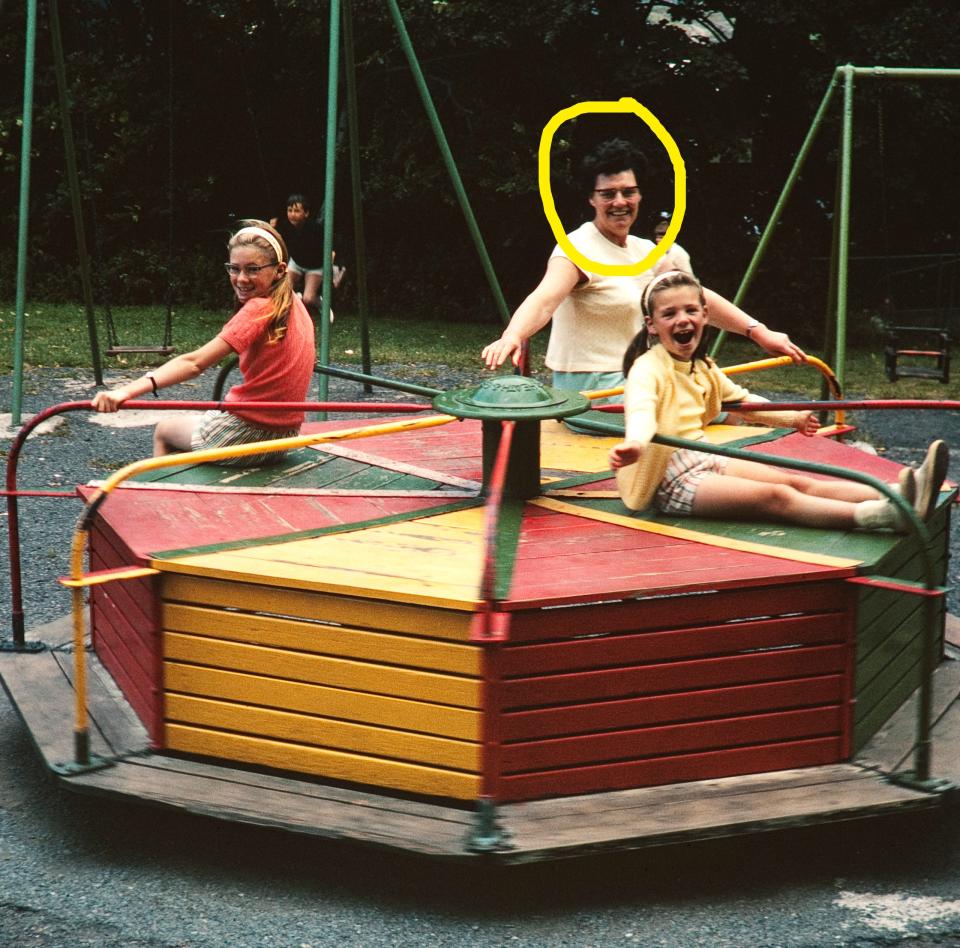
(314, 652)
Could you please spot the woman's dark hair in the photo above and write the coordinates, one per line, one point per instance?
(667, 280)
(611, 157)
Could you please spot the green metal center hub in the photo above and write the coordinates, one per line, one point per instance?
(511, 398)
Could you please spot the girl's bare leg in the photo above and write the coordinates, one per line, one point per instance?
(172, 435)
(850, 491)
(728, 495)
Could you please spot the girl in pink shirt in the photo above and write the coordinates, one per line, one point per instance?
(272, 334)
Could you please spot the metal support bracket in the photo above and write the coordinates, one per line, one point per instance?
(935, 785)
(73, 769)
(12, 645)
(486, 834)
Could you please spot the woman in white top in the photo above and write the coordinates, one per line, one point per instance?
(595, 317)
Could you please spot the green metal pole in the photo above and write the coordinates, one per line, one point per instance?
(448, 160)
(73, 178)
(359, 240)
(30, 46)
(843, 250)
(333, 72)
(788, 186)
(902, 72)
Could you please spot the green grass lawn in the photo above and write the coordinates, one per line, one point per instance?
(57, 335)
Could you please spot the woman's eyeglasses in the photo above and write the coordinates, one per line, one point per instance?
(251, 270)
(610, 194)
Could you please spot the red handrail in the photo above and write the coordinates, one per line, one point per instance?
(12, 494)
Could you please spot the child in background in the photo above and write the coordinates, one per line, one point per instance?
(303, 236)
(273, 335)
(674, 389)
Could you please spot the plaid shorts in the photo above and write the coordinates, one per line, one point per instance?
(221, 429)
(685, 470)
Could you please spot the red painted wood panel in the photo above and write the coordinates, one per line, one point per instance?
(621, 560)
(154, 520)
(137, 687)
(661, 709)
(671, 739)
(136, 636)
(672, 676)
(454, 449)
(645, 773)
(610, 650)
(668, 611)
(828, 451)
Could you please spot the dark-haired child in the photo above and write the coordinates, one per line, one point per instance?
(673, 388)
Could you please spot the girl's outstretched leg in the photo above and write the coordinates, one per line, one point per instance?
(724, 495)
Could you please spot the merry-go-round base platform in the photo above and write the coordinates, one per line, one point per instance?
(309, 656)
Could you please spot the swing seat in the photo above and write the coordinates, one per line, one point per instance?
(920, 346)
(159, 350)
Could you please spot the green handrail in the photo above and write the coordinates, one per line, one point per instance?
(449, 161)
(918, 528)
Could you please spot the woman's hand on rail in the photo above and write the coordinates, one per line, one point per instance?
(778, 343)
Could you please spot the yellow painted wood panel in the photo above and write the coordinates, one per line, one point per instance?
(564, 450)
(422, 716)
(324, 732)
(338, 672)
(434, 560)
(335, 765)
(384, 616)
(336, 640)
(708, 539)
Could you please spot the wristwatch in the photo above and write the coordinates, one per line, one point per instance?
(751, 326)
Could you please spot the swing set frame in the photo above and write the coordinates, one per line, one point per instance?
(844, 76)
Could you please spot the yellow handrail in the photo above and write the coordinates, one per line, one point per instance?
(78, 581)
(771, 363)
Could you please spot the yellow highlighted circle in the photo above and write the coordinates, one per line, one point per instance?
(625, 104)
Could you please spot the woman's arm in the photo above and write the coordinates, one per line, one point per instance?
(534, 312)
(181, 368)
(724, 315)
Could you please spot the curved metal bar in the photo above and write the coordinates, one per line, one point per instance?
(376, 380)
(13, 457)
(918, 529)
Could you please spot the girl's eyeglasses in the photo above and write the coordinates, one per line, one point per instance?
(251, 270)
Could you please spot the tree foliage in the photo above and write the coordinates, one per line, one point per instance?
(189, 113)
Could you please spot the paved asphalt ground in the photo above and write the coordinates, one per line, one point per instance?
(78, 871)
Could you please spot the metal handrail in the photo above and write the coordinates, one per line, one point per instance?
(13, 457)
(918, 530)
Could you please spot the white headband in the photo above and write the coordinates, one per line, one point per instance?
(267, 236)
(645, 298)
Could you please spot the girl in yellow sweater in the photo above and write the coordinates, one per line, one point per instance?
(674, 389)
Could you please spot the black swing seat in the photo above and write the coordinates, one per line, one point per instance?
(919, 350)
